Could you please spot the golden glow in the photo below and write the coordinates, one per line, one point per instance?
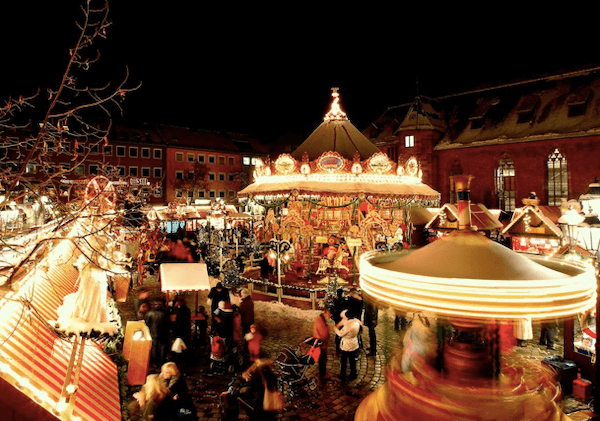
(482, 299)
(336, 112)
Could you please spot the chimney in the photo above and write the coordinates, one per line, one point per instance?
(461, 185)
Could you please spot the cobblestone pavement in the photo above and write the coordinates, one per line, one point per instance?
(331, 400)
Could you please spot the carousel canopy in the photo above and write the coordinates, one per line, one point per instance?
(476, 278)
(336, 159)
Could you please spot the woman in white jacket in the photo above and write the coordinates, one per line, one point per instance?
(348, 329)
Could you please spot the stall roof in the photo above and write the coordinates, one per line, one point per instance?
(481, 217)
(542, 220)
(30, 349)
(176, 277)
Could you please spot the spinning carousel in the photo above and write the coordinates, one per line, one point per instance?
(335, 197)
(474, 286)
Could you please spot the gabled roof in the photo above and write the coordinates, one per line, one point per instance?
(481, 218)
(535, 220)
(544, 107)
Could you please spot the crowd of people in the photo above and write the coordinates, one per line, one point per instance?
(236, 325)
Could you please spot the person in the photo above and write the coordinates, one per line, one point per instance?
(217, 294)
(157, 320)
(262, 391)
(141, 303)
(246, 310)
(178, 403)
(265, 267)
(223, 322)
(548, 333)
(321, 331)
(254, 338)
(371, 316)
(201, 325)
(339, 304)
(523, 331)
(347, 329)
(355, 307)
(182, 323)
(151, 399)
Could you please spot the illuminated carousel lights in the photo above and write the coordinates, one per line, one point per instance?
(479, 298)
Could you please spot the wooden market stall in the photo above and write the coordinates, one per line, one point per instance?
(446, 220)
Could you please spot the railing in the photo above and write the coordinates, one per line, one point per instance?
(277, 292)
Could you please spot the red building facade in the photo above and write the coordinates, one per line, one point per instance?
(540, 135)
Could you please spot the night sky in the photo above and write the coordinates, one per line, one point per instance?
(266, 70)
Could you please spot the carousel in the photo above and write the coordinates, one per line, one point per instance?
(454, 365)
(334, 198)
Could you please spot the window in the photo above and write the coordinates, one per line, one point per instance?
(80, 148)
(211, 194)
(178, 193)
(231, 161)
(211, 159)
(133, 171)
(108, 150)
(211, 176)
(201, 194)
(526, 108)
(578, 101)
(231, 194)
(146, 172)
(409, 141)
(157, 191)
(120, 150)
(179, 175)
(157, 153)
(79, 169)
(65, 166)
(133, 152)
(93, 169)
(94, 149)
(221, 176)
(231, 177)
(222, 194)
(190, 193)
(221, 160)
(157, 172)
(190, 175)
(146, 153)
(65, 146)
(121, 169)
(201, 159)
(505, 184)
(246, 160)
(558, 178)
(392, 153)
(191, 157)
(179, 157)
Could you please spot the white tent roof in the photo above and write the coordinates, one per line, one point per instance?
(184, 277)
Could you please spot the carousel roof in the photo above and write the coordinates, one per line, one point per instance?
(336, 159)
(336, 134)
(476, 278)
(339, 136)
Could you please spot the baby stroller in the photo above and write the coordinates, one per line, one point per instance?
(223, 356)
(294, 364)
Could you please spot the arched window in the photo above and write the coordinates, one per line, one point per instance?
(505, 184)
(558, 178)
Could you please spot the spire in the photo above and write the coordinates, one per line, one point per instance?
(336, 112)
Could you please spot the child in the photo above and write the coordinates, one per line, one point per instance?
(254, 338)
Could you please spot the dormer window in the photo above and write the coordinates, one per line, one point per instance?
(477, 118)
(527, 108)
(578, 102)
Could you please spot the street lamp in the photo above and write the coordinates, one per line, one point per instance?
(569, 220)
(279, 247)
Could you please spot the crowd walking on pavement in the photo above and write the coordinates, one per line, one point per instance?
(170, 320)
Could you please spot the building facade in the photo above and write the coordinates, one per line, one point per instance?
(539, 135)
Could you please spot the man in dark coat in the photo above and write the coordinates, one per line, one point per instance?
(216, 294)
(371, 316)
(157, 320)
(246, 311)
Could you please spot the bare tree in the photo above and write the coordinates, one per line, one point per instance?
(76, 112)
